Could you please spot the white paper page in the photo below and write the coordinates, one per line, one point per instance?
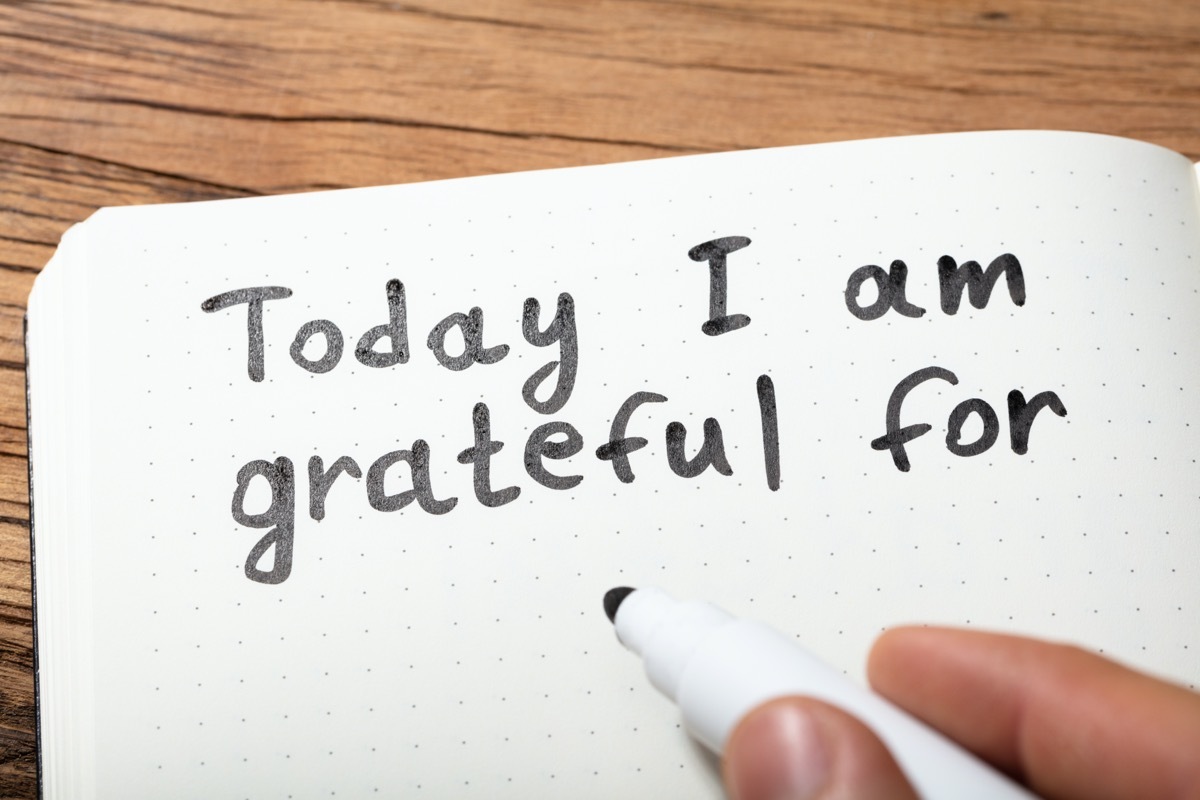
(59, 421)
(466, 653)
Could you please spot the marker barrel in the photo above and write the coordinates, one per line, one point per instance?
(718, 668)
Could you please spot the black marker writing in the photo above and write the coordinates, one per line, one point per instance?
(1020, 419)
(395, 329)
(714, 253)
(712, 451)
(958, 417)
(539, 446)
(280, 517)
(254, 297)
(387, 345)
(561, 330)
(891, 288)
(333, 345)
(471, 327)
(321, 481)
(422, 491)
(979, 283)
(481, 456)
(896, 436)
(619, 447)
(1021, 414)
(769, 415)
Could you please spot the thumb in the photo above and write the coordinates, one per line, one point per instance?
(797, 748)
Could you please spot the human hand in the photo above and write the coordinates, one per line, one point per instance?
(1062, 721)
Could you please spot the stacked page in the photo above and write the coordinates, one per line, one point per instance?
(328, 488)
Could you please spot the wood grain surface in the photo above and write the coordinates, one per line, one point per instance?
(110, 103)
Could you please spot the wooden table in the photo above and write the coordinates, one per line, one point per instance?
(107, 103)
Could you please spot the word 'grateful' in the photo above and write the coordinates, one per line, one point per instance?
(556, 440)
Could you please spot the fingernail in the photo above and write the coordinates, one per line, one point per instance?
(790, 761)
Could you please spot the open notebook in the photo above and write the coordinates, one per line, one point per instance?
(328, 487)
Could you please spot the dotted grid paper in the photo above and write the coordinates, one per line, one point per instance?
(466, 654)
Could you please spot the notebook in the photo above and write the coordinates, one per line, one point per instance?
(328, 488)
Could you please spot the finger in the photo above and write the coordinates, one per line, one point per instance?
(1069, 723)
(797, 748)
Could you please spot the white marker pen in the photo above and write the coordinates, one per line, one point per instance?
(718, 668)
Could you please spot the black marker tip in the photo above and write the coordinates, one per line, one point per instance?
(613, 599)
